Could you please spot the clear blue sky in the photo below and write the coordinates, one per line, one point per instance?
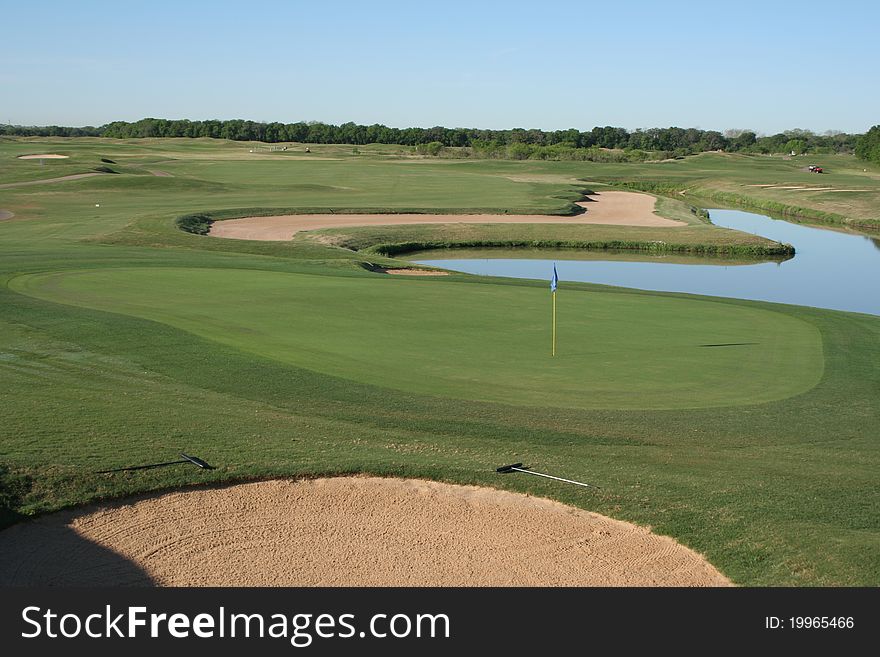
(767, 66)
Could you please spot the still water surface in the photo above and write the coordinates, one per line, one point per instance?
(831, 269)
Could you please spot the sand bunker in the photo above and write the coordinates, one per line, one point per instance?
(804, 188)
(831, 189)
(353, 531)
(44, 156)
(6, 214)
(616, 208)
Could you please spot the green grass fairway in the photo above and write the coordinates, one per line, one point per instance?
(124, 340)
(488, 343)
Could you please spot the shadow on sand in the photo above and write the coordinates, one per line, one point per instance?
(46, 552)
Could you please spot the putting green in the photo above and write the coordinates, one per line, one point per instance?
(480, 342)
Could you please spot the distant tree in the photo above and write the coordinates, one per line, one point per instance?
(640, 139)
(459, 137)
(318, 133)
(297, 131)
(868, 145)
(411, 136)
(571, 137)
(210, 129)
(610, 137)
(431, 148)
(275, 132)
(570, 144)
(796, 146)
(712, 141)
(519, 151)
(799, 133)
(743, 141)
(771, 144)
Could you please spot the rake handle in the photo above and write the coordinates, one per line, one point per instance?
(568, 481)
(142, 467)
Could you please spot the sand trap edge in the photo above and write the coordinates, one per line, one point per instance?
(459, 533)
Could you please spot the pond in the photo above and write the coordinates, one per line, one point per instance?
(831, 269)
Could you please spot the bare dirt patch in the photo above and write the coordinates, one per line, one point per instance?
(44, 156)
(807, 188)
(347, 531)
(833, 189)
(416, 272)
(615, 208)
(624, 209)
(544, 178)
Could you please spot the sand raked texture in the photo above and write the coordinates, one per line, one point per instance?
(615, 208)
(350, 531)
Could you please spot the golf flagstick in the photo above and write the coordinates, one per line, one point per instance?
(553, 352)
(518, 468)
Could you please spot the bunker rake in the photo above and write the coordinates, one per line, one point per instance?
(518, 467)
(186, 459)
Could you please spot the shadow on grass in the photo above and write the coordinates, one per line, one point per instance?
(13, 488)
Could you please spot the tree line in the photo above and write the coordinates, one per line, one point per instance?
(868, 145)
(673, 141)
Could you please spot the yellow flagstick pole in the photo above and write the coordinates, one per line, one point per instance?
(554, 323)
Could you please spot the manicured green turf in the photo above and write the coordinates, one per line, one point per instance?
(487, 343)
(292, 359)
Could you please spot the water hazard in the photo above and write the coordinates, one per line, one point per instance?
(831, 269)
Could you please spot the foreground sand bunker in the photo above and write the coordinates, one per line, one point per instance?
(614, 208)
(355, 531)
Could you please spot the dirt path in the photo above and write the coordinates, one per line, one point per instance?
(351, 531)
(804, 188)
(616, 208)
(28, 183)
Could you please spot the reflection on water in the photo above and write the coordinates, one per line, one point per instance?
(831, 269)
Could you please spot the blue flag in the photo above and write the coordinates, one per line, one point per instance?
(554, 280)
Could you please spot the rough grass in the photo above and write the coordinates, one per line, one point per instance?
(737, 181)
(394, 240)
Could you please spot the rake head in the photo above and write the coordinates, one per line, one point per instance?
(509, 468)
(195, 460)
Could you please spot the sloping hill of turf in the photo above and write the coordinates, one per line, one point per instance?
(481, 342)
